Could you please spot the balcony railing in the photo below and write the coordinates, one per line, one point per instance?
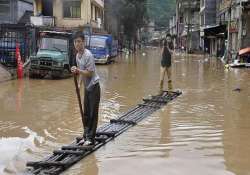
(42, 20)
(98, 2)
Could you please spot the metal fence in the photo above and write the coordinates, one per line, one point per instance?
(10, 35)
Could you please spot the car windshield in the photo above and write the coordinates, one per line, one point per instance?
(54, 44)
(97, 42)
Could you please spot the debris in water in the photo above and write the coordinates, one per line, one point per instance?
(237, 90)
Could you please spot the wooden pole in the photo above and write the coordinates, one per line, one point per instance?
(79, 98)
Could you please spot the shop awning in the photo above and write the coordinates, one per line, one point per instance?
(215, 30)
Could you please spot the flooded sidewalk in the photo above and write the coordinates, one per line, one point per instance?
(205, 131)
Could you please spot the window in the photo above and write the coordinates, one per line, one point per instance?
(4, 7)
(72, 9)
(97, 42)
(55, 44)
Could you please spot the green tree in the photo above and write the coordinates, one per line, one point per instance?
(160, 11)
(133, 16)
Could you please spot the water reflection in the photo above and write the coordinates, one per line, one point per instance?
(165, 136)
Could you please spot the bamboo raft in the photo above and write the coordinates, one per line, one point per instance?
(68, 155)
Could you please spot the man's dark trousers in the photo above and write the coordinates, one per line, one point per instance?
(91, 107)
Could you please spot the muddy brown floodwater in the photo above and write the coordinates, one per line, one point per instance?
(206, 131)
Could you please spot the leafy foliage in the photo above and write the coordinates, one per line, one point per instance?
(133, 16)
(161, 11)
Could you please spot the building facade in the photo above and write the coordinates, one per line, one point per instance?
(68, 13)
(235, 14)
(224, 26)
(231, 32)
(207, 20)
(188, 24)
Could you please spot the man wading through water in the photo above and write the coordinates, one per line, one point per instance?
(87, 75)
(166, 52)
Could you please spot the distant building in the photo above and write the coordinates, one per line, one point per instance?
(148, 33)
(151, 27)
(173, 29)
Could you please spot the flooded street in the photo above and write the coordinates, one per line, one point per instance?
(204, 131)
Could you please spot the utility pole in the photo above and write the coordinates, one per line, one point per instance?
(177, 23)
(188, 25)
(228, 32)
(240, 26)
